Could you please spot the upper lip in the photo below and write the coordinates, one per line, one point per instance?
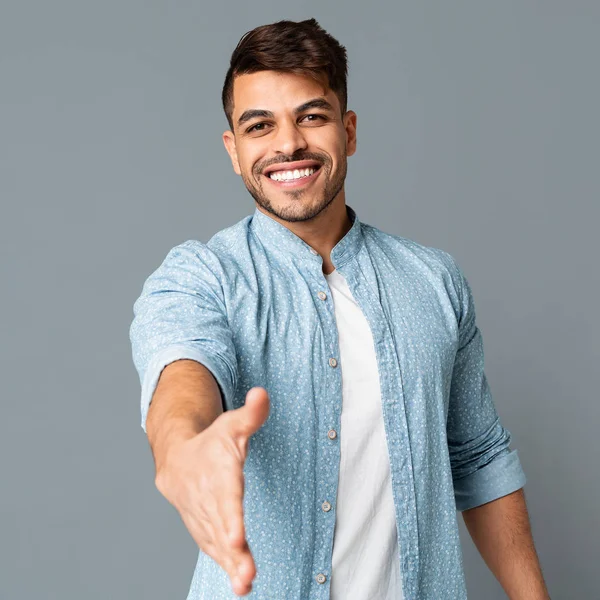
(290, 166)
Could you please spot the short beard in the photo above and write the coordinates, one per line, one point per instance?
(298, 212)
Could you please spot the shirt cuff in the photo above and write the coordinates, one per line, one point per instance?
(171, 354)
(498, 478)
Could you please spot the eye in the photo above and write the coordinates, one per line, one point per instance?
(321, 117)
(255, 128)
(261, 127)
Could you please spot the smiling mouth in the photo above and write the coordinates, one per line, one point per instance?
(291, 175)
(294, 177)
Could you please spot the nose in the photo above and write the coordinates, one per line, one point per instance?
(289, 139)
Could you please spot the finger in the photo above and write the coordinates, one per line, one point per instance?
(245, 574)
(231, 521)
(250, 417)
(241, 571)
(230, 529)
(207, 520)
(209, 541)
(231, 508)
(246, 570)
(240, 588)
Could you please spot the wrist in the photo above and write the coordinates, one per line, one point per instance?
(167, 439)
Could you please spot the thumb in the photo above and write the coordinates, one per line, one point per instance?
(250, 417)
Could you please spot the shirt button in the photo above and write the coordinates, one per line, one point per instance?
(332, 362)
(326, 506)
(322, 295)
(332, 434)
(321, 578)
(313, 251)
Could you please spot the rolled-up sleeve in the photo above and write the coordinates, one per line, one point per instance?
(484, 468)
(181, 314)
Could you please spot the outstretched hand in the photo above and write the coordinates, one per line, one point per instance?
(202, 477)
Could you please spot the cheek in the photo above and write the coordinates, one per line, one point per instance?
(246, 166)
(242, 156)
(336, 148)
(249, 163)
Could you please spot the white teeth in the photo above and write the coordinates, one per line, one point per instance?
(290, 175)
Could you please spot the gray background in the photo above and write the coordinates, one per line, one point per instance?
(477, 133)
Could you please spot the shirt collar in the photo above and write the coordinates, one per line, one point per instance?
(278, 238)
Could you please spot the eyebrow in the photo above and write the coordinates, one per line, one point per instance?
(254, 113)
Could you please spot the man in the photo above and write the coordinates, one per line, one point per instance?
(313, 388)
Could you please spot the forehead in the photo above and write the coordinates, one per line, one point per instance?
(276, 91)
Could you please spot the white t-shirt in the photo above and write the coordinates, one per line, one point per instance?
(366, 559)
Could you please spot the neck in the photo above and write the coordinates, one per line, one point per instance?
(322, 232)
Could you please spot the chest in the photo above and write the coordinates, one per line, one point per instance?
(285, 322)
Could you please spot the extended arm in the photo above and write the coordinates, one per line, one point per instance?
(184, 352)
(502, 534)
(186, 401)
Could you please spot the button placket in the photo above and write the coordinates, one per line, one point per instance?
(326, 506)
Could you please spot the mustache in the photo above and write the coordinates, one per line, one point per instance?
(320, 158)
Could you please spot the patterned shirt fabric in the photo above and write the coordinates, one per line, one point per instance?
(250, 305)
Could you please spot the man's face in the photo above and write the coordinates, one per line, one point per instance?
(285, 124)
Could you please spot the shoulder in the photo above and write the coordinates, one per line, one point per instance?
(411, 251)
(424, 262)
(215, 253)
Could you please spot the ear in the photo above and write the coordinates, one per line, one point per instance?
(350, 127)
(229, 141)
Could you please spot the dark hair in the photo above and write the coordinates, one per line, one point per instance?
(302, 47)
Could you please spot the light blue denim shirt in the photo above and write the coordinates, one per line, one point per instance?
(247, 305)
